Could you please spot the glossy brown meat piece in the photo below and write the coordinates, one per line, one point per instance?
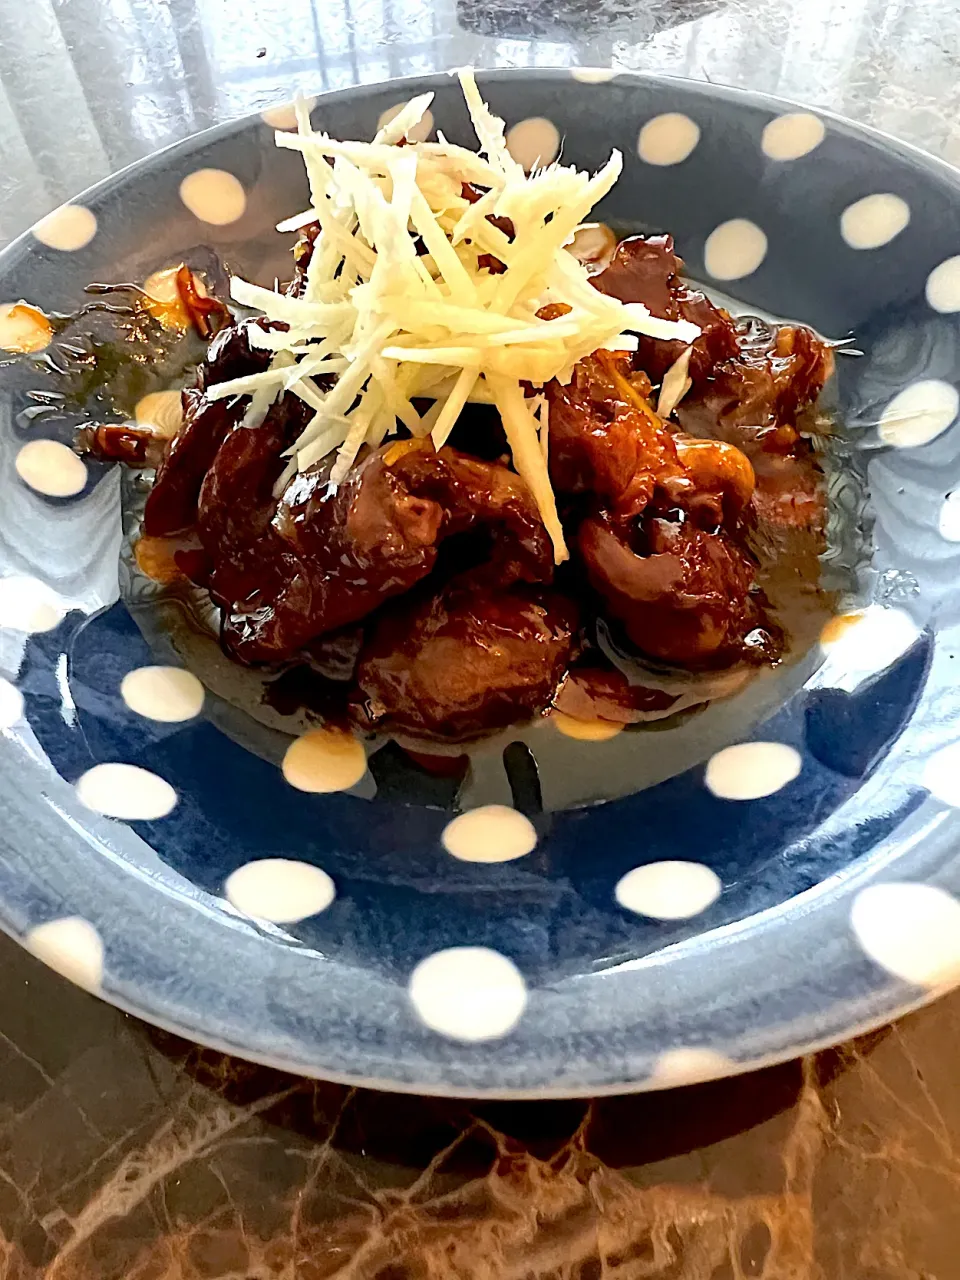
(464, 662)
(604, 693)
(172, 503)
(685, 596)
(135, 446)
(329, 559)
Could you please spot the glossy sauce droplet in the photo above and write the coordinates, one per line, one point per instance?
(585, 730)
(23, 328)
(155, 559)
(163, 299)
(324, 760)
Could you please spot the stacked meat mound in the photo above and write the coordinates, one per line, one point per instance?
(426, 579)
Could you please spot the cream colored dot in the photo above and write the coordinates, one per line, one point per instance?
(791, 136)
(911, 930)
(593, 244)
(280, 890)
(126, 791)
(168, 694)
(213, 196)
(668, 139)
(28, 605)
(324, 760)
(162, 411)
(51, 468)
(284, 114)
(752, 770)
(919, 414)
(876, 637)
(941, 775)
(943, 286)
(668, 890)
(534, 143)
(419, 132)
(585, 730)
(68, 228)
(11, 704)
(689, 1064)
(491, 833)
(874, 220)
(72, 947)
(593, 75)
(23, 329)
(468, 993)
(949, 522)
(734, 249)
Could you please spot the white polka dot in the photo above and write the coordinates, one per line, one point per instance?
(949, 522)
(213, 196)
(669, 890)
(169, 694)
(491, 833)
(51, 468)
(919, 414)
(943, 286)
(280, 890)
(941, 775)
(23, 328)
(419, 132)
(126, 791)
(468, 993)
(585, 730)
(859, 645)
(593, 75)
(752, 770)
(534, 143)
(911, 930)
(26, 604)
(68, 228)
(874, 220)
(734, 249)
(668, 139)
(791, 136)
(11, 704)
(72, 947)
(324, 760)
(284, 114)
(162, 411)
(689, 1064)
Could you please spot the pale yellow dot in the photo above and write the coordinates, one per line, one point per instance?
(593, 244)
(491, 833)
(468, 993)
(592, 75)
(162, 411)
(284, 115)
(280, 890)
(23, 328)
(213, 196)
(126, 791)
(51, 468)
(668, 139)
(752, 770)
(324, 760)
(911, 930)
(943, 286)
(734, 249)
(585, 730)
(534, 143)
(29, 605)
(72, 947)
(668, 890)
(418, 132)
(689, 1064)
(919, 414)
(874, 221)
(791, 136)
(167, 694)
(68, 228)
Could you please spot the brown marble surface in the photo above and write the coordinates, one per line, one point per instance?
(128, 1153)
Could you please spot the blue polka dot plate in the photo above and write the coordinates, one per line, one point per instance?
(578, 916)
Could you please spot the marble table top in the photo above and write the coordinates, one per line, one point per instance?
(127, 1153)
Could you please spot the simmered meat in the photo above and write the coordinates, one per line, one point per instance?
(684, 596)
(330, 558)
(466, 661)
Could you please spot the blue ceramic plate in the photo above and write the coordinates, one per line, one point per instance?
(672, 904)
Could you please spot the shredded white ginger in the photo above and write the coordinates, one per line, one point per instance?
(398, 307)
